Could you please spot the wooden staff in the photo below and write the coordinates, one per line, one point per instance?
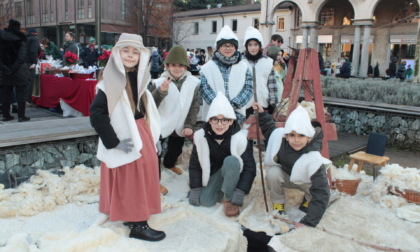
(258, 138)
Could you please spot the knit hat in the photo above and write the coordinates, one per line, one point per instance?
(31, 31)
(92, 40)
(252, 33)
(114, 72)
(226, 35)
(273, 51)
(221, 106)
(177, 55)
(14, 25)
(300, 122)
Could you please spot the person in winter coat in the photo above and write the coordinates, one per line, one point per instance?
(156, 61)
(177, 97)
(293, 160)
(221, 164)
(279, 67)
(345, 69)
(33, 52)
(402, 71)
(50, 49)
(126, 119)
(226, 73)
(14, 69)
(266, 86)
(90, 54)
(392, 70)
(70, 45)
(409, 74)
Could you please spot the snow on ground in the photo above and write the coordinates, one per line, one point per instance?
(71, 222)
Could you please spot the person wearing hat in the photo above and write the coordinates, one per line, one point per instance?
(221, 166)
(90, 54)
(266, 85)
(228, 74)
(15, 72)
(293, 160)
(279, 67)
(177, 97)
(128, 125)
(33, 53)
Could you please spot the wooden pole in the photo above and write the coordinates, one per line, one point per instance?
(259, 138)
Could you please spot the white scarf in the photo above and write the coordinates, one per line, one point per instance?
(124, 125)
(215, 80)
(175, 106)
(262, 71)
(304, 167)
(238, 144)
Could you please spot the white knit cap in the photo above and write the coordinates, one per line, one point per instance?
(252, 33)
(226, 33)
(300, 122)
(220, 106)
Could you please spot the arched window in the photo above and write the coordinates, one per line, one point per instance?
(327, 16)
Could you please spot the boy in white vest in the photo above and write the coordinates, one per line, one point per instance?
(266, 86)
(221, 164)
(176, 94)
(226, 73)
(293, 160)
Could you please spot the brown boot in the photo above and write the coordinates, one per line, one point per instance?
(163, 190)
(230, 209)
(177, 170)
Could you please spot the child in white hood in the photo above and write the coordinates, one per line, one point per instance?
(221, 164)
(293, 160)
(126, 119)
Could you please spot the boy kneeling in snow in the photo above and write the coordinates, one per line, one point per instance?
(221, 164)
(293, 160)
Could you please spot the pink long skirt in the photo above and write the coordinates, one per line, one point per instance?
(131, 192)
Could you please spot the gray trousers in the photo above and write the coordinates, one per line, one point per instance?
(277, 179)
(222, 183)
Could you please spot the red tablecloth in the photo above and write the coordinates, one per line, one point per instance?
(78, 94)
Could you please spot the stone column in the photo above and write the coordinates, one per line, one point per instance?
(314, 38)
(304, 37)
(365, 51)
(335, 47)
(356, 50)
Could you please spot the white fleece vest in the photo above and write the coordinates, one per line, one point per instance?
(175, 106)
(238, 145)
(124, 125)
(215, 80)
(304, 167)
(262, 71)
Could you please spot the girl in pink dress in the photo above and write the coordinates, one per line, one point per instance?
(125, 117)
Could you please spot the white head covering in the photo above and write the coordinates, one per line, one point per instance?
(252, 33)
(114, 72)
(221, 106)
(226, 34)
(300, 122)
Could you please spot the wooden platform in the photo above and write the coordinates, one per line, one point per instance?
(14, 134)
(346, 144)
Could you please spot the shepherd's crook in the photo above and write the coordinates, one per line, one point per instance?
(258, 137)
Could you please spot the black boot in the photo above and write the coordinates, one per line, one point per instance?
(141, 230)
(14, 109)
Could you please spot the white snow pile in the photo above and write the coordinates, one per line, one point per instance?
(46, 190)
(351, 223)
